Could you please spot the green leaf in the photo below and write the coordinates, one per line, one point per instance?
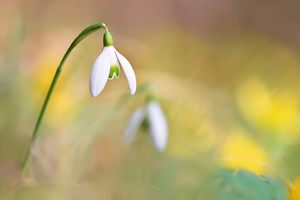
(243, 185)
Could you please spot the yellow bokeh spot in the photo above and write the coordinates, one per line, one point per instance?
(295, 190)
(240, 152)
(271, 111)
(62, 100)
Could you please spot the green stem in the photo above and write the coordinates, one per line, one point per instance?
(87, 31)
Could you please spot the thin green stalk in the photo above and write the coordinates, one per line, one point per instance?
(87, 31)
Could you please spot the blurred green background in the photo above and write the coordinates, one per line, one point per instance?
(225, 72)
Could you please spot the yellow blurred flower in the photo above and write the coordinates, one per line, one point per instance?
(295, 190)
(239, 151)
(62, 101)
(275, 112)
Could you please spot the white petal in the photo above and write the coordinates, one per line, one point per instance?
(158, 125)
(134, 124)
(128, 72)
(100, 72)
(112, 56)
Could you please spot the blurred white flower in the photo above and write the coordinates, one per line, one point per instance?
(156, 120)
(107, 66)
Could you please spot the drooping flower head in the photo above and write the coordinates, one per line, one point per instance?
(155, 118)
(108, 66)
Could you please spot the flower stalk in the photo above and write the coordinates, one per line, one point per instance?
(86, 32)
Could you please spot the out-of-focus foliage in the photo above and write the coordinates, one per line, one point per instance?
(247, 186)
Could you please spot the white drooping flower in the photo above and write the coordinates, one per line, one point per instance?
(155, 118)
(107, 67)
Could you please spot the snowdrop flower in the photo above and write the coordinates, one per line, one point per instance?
(156, 120)
(107, 67)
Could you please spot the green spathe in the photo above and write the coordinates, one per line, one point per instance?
(107, 39)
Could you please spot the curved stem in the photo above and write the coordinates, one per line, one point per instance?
(87, 31)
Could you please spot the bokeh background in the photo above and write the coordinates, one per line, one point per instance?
(226, 74)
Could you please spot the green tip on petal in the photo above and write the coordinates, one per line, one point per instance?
(114, 72)
(145, 124)
(107, 39)
(150, 97)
